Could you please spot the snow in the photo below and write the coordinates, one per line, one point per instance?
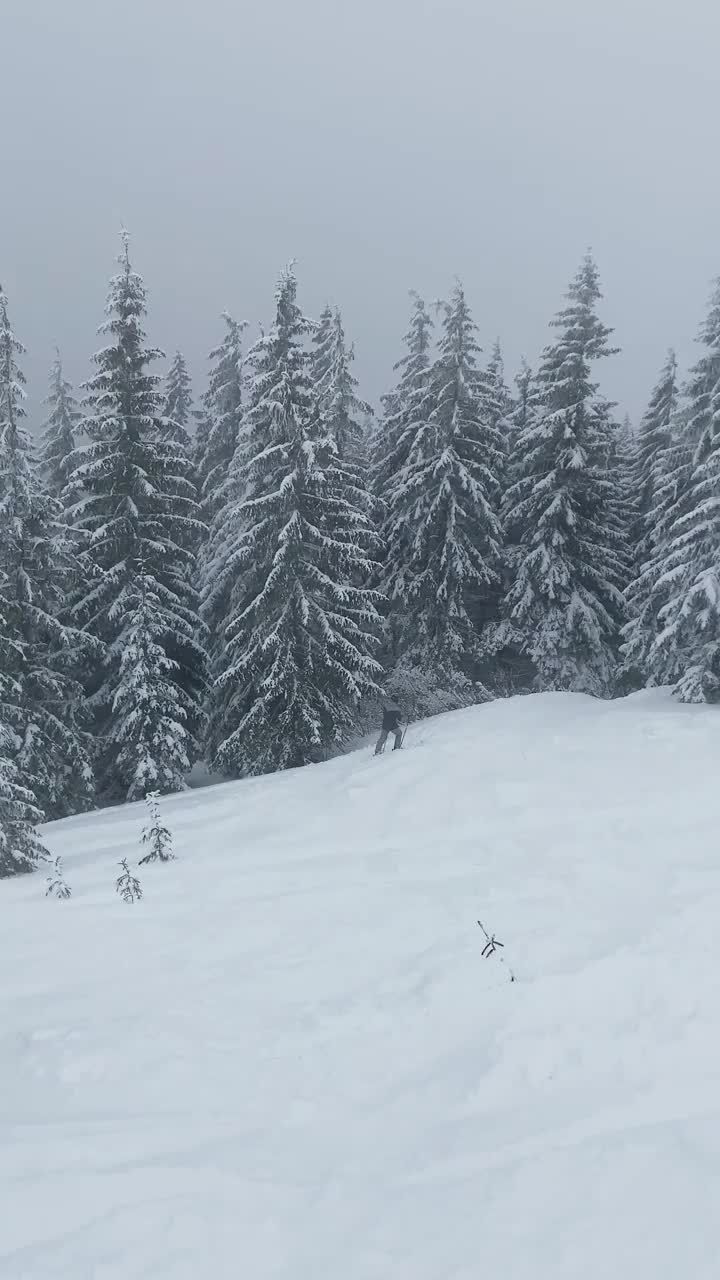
(290, 1061)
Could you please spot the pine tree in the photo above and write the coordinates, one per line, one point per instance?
(336, 389)
(523, 415)
(322, 338)
(219, 427)
(654, 437)
(20, 846)
(178, 408)
(624, 504)
(398, 436)
(513, 672)
(522, 405)
(37, 566)
(59, 436)
(301, 630)
(156, 836)
(135, 501)
(128, 885)
(439, 479)
(148, 736)
(174, 429)
(219, 424)
(686, 647)
(57, 886)
(499, 400)
(406, 411)
(652, 588)
(565, 606)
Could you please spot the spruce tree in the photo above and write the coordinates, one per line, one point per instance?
(653, 586)
(499, 399)
(57, 886)
(439, 477)
(222, 413)
(523, 414)
(128, 885)
(686, 648)
(513, 670)
(20, 846)
(135, 502)
(397, 437)
(178, 407)
(219, 423)
(335, 386)
(406, 410)
(322, 339)
(654, 437)
(38, 566)
(174, 429)
(624, 504)
(302, 630)
(156, 837)
(565, 605)
(522, 404)
(59, 435)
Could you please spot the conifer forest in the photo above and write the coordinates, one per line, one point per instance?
(230, 567)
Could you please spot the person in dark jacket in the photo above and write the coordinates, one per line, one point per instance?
(391, 723)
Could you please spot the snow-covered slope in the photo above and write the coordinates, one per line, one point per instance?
(291, 1061)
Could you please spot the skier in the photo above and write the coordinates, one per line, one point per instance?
(391, 723)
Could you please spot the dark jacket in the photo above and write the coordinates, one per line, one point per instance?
(391, 719)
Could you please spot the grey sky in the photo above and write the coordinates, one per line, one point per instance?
(385, 144)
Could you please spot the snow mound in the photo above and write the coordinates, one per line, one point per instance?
(291, 1062)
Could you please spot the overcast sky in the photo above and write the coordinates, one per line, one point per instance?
(384, 144)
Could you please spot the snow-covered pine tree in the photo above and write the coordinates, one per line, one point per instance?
(439, 476)
(522, 404)
(301, 631)
(20, 846)
(335, 386)
(398, 436)
(135, 501)
(322, 340)
(653, 585)
(405, 412)
(219, 423)
(174, 428)
(687, 648)
(156, 837)
(148, 741)
(128, 885)
(500, 401)
(38, 566)
(565, 606)
(59, 434)
(221, 419)
(654, 437)
(57, 885)
(524, 413)
(177, 416)
(624, 504)
(513, 671)
(202, 434)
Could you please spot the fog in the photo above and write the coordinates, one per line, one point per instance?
(384, 144)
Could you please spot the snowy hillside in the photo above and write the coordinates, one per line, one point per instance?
(291, 1062)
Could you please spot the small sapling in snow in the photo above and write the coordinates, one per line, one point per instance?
(127, 885)
(156, 836)
(493, 946)
(56, 884)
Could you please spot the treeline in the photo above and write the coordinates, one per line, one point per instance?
(236, 579)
